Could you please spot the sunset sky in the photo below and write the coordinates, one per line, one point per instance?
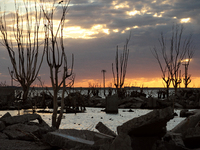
(95, 27)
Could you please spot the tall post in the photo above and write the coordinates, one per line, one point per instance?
(104, 81)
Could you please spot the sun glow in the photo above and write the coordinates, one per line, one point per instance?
(133, 13)
(115, 30)
(138, 82)
(185, 20)
(120, 5)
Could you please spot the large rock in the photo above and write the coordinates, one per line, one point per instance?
(121, 142)
(2, 125)
(175, 138)
(192, 137)
(23, 119)
(147, 129)
(3, 136)
(5, 115)
(79, 139)
(189, 122)
(165, 145)
(151, 124)
(186, 113)
(112, 104)
(143, 142)
(22, 132)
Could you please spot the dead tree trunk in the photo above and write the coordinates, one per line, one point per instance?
(173, 56)
(56, 58)
(23, 45)
(120, 74)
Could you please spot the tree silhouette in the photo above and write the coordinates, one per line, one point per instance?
(119, 75)
(57, 58)
(23, 49)
(173, 55)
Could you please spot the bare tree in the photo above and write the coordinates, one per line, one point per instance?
(174, 55)
(187, 78)
(120, 74)
(56, 56)
(165, 72)
(23, 48)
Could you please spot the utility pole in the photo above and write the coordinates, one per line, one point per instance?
(104, 80)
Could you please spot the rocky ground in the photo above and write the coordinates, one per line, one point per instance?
(147, 132)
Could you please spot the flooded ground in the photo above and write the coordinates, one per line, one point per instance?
(92, 116)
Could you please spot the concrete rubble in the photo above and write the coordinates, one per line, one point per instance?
(147, 132)
(19, 132)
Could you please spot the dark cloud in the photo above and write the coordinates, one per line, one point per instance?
(98, 52)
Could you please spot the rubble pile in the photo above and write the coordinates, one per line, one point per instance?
(147, 132)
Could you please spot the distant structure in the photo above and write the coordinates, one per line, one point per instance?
(104, 80)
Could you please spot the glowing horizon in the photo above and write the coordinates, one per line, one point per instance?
(135, 82)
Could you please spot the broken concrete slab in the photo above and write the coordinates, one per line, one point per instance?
(62, 140)
(104, 129)
(23, 119)
(21, 132)
(99, 136)
(151, 124)
(84, 134)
